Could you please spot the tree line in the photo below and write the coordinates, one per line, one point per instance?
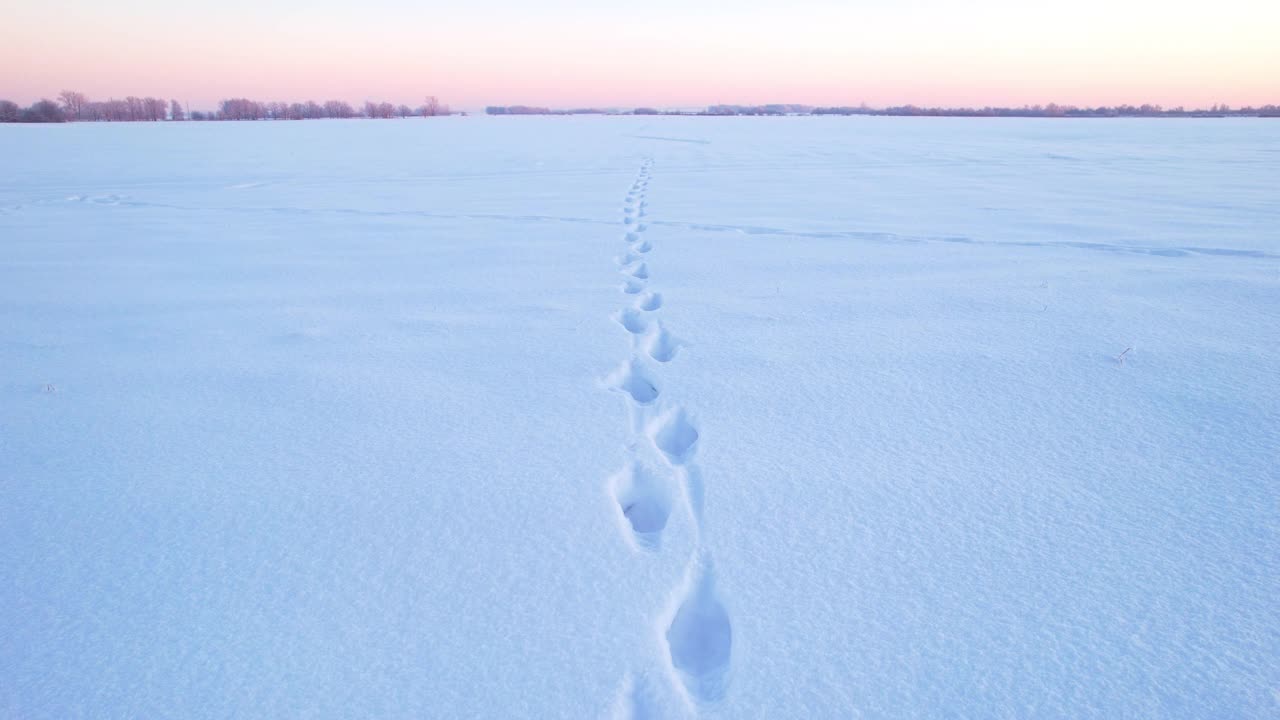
(73, 106)
(1052, 110)
(522, 110)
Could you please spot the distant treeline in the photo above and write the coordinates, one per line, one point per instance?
(1050, 110)
(1055, 110)
(73, 106)
(527, 110)
(532, 110)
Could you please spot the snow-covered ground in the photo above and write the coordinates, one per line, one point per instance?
(385, 419)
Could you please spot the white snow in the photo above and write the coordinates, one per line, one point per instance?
(647, 417)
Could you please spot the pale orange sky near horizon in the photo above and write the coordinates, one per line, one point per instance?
(662, 53)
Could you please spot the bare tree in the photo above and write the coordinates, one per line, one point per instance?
(116, 110)
(432, 107)
(73, 103)
(338, 109)
(154, 108)
(379, 110)
(175, 111)
(9, 111)
(241, 109)
(98, 111)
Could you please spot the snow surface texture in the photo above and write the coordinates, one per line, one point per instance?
(641, 418)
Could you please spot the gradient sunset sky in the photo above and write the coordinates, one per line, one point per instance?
(670, 53)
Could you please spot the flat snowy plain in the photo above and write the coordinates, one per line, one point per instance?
(647, 418)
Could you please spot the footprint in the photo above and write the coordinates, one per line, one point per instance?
(645, 503)
(632, 237)
(700, 636)
(640, 271)
(627, 258)
(674, 435)
(661, 345)
(643, 246)
(633, 286)
(632, 320)
(630, 379)
(649, 301)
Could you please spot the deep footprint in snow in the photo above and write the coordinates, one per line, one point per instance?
(633, 286)
(632, 320)
(640, 271)
(642, 247)
(649, 301)
(645, 503)
(633, 237)
(661, 345)
(700, 636)
(674, 435)
(627, 258)
(631, 379)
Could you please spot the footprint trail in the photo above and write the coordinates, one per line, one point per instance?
(694, 630)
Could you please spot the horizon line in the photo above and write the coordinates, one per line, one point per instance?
(709, 108)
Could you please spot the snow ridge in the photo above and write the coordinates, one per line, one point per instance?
(694, 629)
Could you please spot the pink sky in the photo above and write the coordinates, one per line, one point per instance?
(662, 53)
